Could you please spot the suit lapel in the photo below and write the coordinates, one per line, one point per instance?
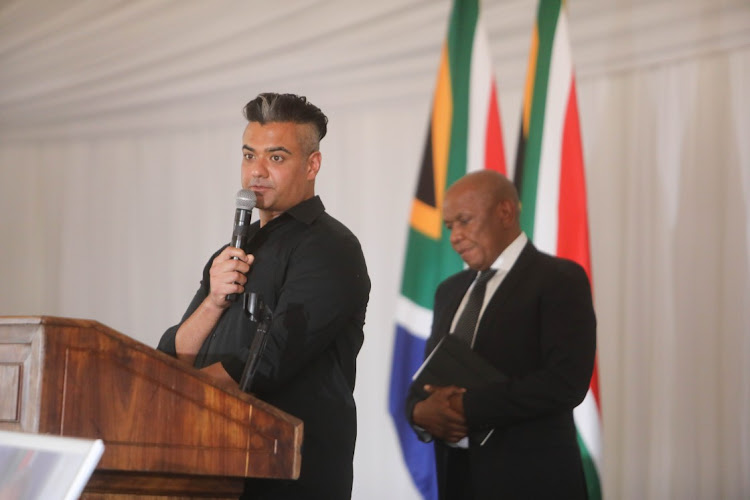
(512, 279)
(454, 301)
(503, 292)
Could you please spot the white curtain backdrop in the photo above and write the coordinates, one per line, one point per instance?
(114, 190)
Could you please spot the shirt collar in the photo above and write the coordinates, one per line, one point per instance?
(308, 210)
(508, 257)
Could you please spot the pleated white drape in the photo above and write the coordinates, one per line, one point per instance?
(116, 227)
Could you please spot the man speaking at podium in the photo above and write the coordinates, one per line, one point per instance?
(531, 316)
(309, 270)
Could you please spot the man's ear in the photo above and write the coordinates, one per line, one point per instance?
(504, 211)
(313, 164)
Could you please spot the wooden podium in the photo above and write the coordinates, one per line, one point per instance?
(167, 429)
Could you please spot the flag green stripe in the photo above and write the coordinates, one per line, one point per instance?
(460, 44)
(549, 11)
(593, 486)
(428, 262)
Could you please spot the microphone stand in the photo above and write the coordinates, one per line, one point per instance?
(259, 313)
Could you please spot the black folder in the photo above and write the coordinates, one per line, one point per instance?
(452, 362)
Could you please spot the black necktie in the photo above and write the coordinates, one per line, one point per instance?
(467, 322)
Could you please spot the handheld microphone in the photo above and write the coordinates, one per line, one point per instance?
(244, 203)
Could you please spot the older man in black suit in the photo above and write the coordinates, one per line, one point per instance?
(536, 325)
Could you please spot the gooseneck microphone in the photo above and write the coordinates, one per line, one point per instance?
(244, 203)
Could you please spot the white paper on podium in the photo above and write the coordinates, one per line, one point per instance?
(41, 466)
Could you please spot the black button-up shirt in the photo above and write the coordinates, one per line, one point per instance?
(310, 271)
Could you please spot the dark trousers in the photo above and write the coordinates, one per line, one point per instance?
(454, 474)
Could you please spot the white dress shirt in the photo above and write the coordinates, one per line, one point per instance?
(502, 265)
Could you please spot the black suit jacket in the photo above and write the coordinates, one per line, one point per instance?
(539, 329)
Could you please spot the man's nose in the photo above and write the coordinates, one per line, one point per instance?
(259, 168)
(455, 235)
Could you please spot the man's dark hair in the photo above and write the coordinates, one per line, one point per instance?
(272, 107)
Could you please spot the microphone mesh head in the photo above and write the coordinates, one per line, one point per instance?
(245, 199)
